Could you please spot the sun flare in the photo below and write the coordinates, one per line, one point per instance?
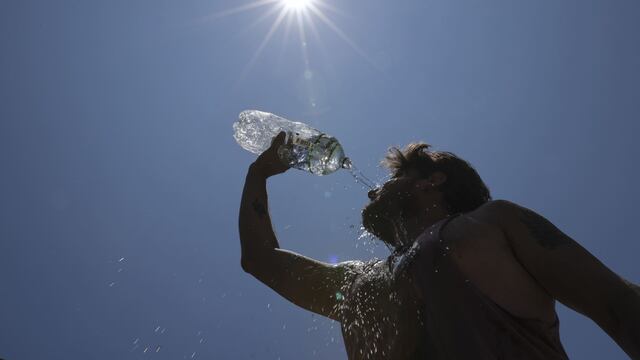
(286, 14)
(297, 5)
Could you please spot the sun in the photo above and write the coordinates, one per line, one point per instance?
(297, 5)
(304, 13)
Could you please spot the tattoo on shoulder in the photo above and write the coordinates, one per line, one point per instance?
(547, 234)
(259, 208)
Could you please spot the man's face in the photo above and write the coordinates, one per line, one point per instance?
(383, 216)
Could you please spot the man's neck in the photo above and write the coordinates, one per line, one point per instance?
(417, 225)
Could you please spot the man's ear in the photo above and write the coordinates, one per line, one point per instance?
(438, 178)
(424, 184)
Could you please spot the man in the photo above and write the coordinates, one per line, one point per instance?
(469, 277)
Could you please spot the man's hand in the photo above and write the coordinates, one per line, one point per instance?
(269, 163)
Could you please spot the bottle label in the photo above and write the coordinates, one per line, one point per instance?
(297, 139)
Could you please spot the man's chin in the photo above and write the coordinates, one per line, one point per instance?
(378, 226)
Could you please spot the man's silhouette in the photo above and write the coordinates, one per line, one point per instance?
(469, 277)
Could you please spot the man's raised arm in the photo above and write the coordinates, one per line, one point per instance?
(310, 284)
(257, 238)
(570, 274)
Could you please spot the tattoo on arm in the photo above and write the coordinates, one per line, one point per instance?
(547, 234)
(259, 208)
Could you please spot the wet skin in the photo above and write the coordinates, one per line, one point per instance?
(383, 215)
(404, 206)
(512, 254)
(479, 248)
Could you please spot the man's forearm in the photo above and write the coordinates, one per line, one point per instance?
(256, 232)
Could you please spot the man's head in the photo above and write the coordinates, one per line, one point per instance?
(424, 185)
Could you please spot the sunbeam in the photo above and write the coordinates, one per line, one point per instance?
(300, 11)
(264, 43)
(242, 8)
(262, 18)
(340, 33)
(297, 5)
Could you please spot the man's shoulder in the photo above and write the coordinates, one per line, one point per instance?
(495, 212)
(486, 221)
(497, 207)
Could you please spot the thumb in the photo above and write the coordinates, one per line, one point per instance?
(278, 139)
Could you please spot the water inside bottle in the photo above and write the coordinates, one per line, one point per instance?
(320, 154)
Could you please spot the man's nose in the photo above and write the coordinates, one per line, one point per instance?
(372, 193)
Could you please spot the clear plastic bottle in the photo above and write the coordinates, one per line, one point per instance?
(305, 148)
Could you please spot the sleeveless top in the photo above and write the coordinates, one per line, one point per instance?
(420, 306)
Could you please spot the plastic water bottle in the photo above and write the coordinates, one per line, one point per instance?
(305, 148)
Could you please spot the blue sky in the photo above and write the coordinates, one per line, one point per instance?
(121, 180)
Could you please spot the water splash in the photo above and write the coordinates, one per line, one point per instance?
(369, 241)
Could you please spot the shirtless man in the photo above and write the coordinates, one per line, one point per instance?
(482, 287)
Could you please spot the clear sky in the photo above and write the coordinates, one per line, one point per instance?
(120, 180)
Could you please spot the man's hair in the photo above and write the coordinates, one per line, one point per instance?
(463, 189)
